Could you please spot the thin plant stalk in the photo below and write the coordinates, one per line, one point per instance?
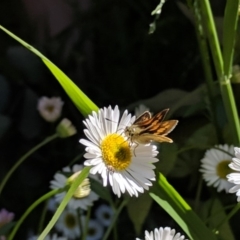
(116, 214)
(43, 216)
(202, 42)
(24, 157)
(30, 209)
(229, 216)
(85, 230)
(220, 65)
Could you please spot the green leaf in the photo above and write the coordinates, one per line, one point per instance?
(138, 209)
(202, 137)
(82, 102)
(84, 173)
(168, 198)
(213, 213)
(167, 157)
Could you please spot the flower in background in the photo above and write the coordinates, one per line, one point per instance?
(52, 204)
(163, 234)
(83, 196)
(214, 167)
(48, 237)
(68, 224)
(125, 165)
(95, 230)
(5, 218)
(65, 128)
(235, 176)
(104, 214)
(140, 110)
(50, 108)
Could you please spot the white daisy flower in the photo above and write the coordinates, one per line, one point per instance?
(95, 230)
(104, 214)
(83, 196)
(48, 237)
(140, 110)
(215, 167)
(235, 176)
(50, 108)
(68, 224)
(163, 234)
(126, 166)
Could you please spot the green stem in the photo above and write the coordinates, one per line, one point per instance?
(84, 173)
(85, 230)
(229, 216)
(202, 42)
(30, 209)
(42, 218)
(212, 37)
(79, 219)
(116, 214)
(223, 66)
(23, 158)
(198, 194)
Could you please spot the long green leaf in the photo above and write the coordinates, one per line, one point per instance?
(82, 102)
(167, 197)
(84, 173)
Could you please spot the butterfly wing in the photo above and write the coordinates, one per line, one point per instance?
(146, 120)
(147, 138)
(143, 118)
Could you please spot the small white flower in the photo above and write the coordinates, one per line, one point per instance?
(83, 196)
(50, 108)
(215, 167)
(163, 234)
(235, 176)
(140, 110)
(95, 230)
(68, 224)
(48, 237)
(124, 165)
(104, 214)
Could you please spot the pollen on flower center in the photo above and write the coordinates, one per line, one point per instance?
(116, 152)
(223, 169)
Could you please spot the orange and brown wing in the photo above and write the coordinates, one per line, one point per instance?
(143, 118)
(160, 128)
(149, 121)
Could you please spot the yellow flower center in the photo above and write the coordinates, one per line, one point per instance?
(223, 169)
(70, 221)
(83, 189)
(116, 152)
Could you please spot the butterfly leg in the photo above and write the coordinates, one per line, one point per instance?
(134, 149)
